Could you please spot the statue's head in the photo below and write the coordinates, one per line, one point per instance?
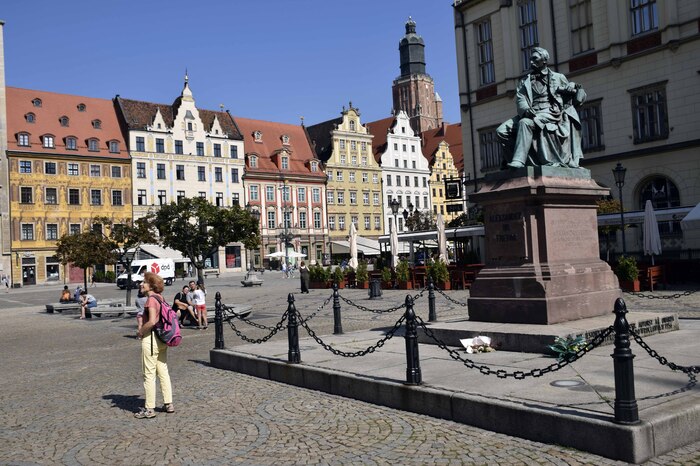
(538, 58)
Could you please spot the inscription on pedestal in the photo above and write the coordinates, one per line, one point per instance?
(506, 243)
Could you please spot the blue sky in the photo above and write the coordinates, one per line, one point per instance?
(265, 59)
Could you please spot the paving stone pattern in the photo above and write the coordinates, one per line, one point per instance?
(69, 389)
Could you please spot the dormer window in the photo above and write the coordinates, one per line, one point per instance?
(253, 161)
(36, 102)
(258, 136)
(114, 147)
(285, 163)
(285, 139)
(352, 125)
(71, 143)
(93, 145)
(47, 141)
(81, 107)
(97, 124)
(23, 139)
(216, 131)
(30, 117)
(189, 126)
(63, 120)
(314, 167)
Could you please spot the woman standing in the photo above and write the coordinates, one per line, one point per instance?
(200, 305)
(154, 353)
(304, 274)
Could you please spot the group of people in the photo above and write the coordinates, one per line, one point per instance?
(86, 300)
(189, 303)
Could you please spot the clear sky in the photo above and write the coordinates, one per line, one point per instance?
(265, 59)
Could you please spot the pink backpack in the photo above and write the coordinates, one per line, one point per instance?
(168, 327)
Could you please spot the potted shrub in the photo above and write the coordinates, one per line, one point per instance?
(628, 273)
(317, 277)
(437, 270)
(339, 277)
(386, 278)
(403, 275)
(362, 276)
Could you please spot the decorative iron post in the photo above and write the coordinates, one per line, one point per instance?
(337, 323)
(218, 323)
(294, 356)
(413, 373)
(432, 317)
(626, 411)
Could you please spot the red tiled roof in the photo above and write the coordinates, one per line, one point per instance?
(452, 134)
(379, 129)
(299, 147)
(80, 124)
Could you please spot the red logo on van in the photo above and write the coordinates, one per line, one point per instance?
(155, 268)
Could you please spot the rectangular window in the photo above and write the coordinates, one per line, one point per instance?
(180, 172)
(234, 175)
(363, 148)
(217, 150)
(200, 149)
(489, 150)
(74, 229)
(178, 147)
(285, 163)
(425, 202)
(396, 146)
(415, 181)
(388, 180)
(425, 182)
(364, 159)
(27, 232)
(351, 177)
(375, 198)
(301, 195)
(368, 222)
(140, 144)
(315, 195)
(418, 203)
(201, 174)
(51, 196)
(286, 193)
(591, 126)
(254, 195)
(365, 198)
(403, 148)
(353, 198)
(50, 168)
(330, 197)
(527, 22)
(365, 177)
(317, 220)
(644, 16)
(25, 166)
(405, 164)
(236, 199)
(180, 196)
(95, 170)
(48, 142)
(484, 45)
(342, 159)
(162, 197)
(114, 147)
(26, 195)
(52, 231)
(96, 197)
(377, 222)
(331, 222)
(341, 197)
(219, 199)
(218, 175)
(73, 196)
(202, 195)
(23, 140)
(302, 219)
(140, 169)
(353, 147)
(116, 171)
(398, 180)
(141, 197)
(342, 144)
(160, 171)
(339, 176)
(581, 26)
(73, 169)
(271, 219)
(160, 145)
(341, 222)
(649, 113)
(330, 175)
(234, 152)
(375, 178)
(117, 197)
(269, 193)
(353, 159)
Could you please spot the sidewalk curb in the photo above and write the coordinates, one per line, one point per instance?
(663, 429)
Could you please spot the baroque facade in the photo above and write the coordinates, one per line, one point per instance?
(181, 151)
(637, 61)
(443, 147)
(354, 192)
(68, 163)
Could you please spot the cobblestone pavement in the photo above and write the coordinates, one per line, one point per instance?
(70, 387)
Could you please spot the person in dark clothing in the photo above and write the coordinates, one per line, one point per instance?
(305, 277)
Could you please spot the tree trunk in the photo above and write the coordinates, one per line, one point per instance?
(85, 278)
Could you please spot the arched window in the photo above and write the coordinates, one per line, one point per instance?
(253, 161)
(36, 102)
(30, 117)
(93, 145)
(663, 194)
(81, 107)
(258, 136)
(63, 120)
(352, 125)
(23, 139)
(97, 124)
(71, 143)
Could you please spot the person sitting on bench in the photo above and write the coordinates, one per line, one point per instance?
(87, 302)
(65, 295)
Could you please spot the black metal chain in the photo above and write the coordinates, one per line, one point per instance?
(381, 311)
(670, 296)
(450, 299)
(280, 325)
(319, 309)
(230, 314)
(363, 352)
(518, 375)
(662, 360)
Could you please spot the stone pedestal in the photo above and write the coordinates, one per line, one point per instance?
(542, 257)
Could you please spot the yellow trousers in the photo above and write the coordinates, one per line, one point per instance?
(152, 365)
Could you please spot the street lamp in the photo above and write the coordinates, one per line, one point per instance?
(619, 173)
(394, 204)
(256, 215)
(286, 237)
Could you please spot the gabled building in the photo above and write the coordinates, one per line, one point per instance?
(68, 163)
(443, 148)
(285, 183)
(354, 190)
(405, 170)
(180, 151)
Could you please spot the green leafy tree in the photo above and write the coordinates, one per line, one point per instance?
(85, 250)
(198, 229)
(421, 221)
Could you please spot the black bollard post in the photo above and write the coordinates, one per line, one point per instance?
(413, 373)
(432, 317)
(294, 356)
(626, 411)
(337, 323)
(218, 323)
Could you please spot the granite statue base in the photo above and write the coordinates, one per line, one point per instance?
(543, 263)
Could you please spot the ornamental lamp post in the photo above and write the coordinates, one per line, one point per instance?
(256, 215)
(619, 173)
(394, 204)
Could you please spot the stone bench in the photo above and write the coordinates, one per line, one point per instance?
(252, 279)
(208, 272)
(112, 310)
(74, 308)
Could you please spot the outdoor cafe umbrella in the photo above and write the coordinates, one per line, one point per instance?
(294, 254)
(394, 243)
(652, 240)
(352, 239)
(275, 254)
(442, 238)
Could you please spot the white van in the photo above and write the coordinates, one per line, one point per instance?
(163, 267)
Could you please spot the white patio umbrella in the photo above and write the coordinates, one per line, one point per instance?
(294, 254)
(441, 238)
(652, 240)
(692, 220)
(352, 239)
(394, 244)
(275, 254)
